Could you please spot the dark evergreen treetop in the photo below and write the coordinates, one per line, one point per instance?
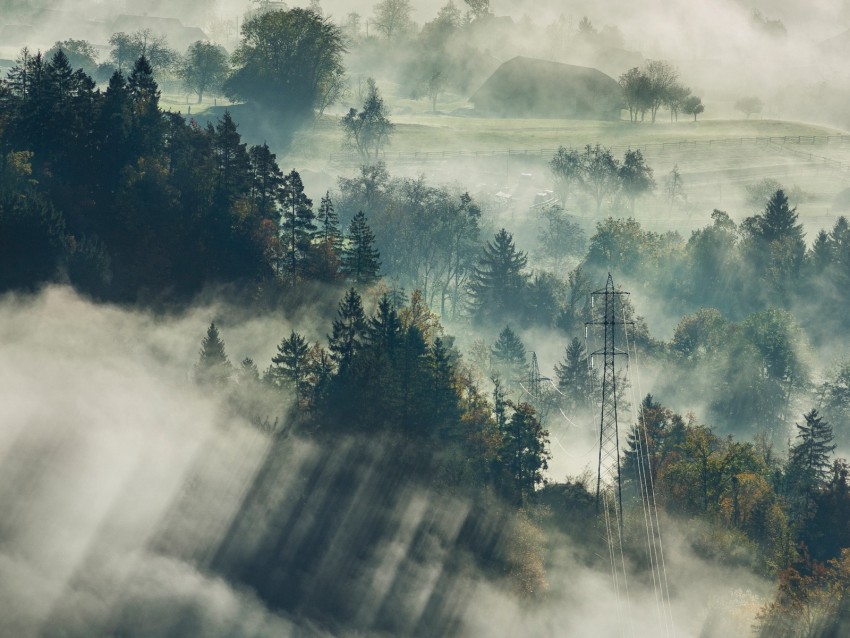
(498, 282)
(778, 222)
(232, 159)
(297, 225)
(329, 231)
(213, 366)
(349, 329)
(290, 366)
(524, 453)
(509, 353)
(266, 182)
(360, 259)
(574, 376)
(809, 459)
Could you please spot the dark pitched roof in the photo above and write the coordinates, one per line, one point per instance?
(531, 87)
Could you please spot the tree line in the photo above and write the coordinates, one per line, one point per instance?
(129, 202)
(395, 372)
(656, 84)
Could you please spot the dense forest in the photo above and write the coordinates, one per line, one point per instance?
(398, 433)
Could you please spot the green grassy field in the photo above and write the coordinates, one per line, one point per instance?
(432, 133)
(715, 175)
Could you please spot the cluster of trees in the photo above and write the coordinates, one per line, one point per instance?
(368, 130)
(392, 372)
(792, 508)
(202, 69)
(783, 503)
(289, 62)
(428, 236)
(596, 173)
(738, 268)
(654, 85)
(127, 201)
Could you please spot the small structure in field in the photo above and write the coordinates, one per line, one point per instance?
(531, 88)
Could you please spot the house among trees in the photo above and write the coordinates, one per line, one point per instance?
(527, 87)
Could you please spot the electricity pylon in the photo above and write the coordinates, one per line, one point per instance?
(608, 470)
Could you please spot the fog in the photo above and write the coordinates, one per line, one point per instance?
(138, 503)
(131, 508)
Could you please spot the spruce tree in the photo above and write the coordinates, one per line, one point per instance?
(296, 226)
(360, 260)
(524, 452)
(779, 220)
(232, 159)
(509, 354)
(349, 329)
(113, 130)
(384, 329)
(291, 365)
(213, 366)
(822, 253)
(574, 377)
(498, 282)
(248, 371)
(776, 244)
(444, 399)
(147, 123)
(266, 182)
(809, 463)
(329, 232)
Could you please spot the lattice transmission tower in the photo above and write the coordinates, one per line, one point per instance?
(611, 316)
(609, 489)
(608, 476)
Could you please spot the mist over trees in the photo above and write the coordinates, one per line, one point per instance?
(398, 365)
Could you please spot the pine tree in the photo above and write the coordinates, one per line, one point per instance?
(498, 283)
(213, 366)
(822, 253)
(248, 371)
(349, 329)
(113, 130)
(325, 260)
(645, 441)
(329, 232)
(296, 226)
(509, 354)
(360, 260)
(779, 221)
(320, 366)
(266, 182)
(809, 463)
(147, 123)
(574, 377)
(291, 365)
(776, 242)
(232, 159)
(444, 398)
(524, 452)
(384, 329)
